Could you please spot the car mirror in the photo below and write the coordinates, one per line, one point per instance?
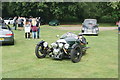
(57, 36)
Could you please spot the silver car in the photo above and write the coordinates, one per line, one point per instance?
(90, 26)
(6, 35)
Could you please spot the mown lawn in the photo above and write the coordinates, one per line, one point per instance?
(101, 60)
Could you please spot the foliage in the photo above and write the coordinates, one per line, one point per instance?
(60, 10)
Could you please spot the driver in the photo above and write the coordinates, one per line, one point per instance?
(82, 39)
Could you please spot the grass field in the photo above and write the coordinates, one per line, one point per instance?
(101, 60)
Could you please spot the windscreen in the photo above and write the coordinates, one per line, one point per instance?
(68, 34)
(90, 22)
(3, 26)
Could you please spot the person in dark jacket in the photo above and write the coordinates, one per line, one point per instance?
(38, 27)
(15, 23)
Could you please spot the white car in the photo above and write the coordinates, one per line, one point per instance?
(8, 20)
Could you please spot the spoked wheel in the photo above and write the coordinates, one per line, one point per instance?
(76, 54)
(40, 51)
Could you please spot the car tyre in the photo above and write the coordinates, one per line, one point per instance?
(96, 34)
(56, 24)
(76, 54)
(8, 22)
(82, 31)
(40, 52)
(84, 52)
(12, 43)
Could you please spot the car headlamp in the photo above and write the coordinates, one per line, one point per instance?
(45, 44)
(97, 29)
(60, 45)
(66, 46)
(54, 45)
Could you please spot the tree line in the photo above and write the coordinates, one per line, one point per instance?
(108, 12)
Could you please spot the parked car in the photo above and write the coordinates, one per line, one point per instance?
(8, 20)
(6, 34)
(54, 23)
(68, 46)
(90, 26)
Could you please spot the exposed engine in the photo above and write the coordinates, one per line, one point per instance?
(59, 49)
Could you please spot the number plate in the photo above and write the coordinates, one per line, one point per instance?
(1, 39)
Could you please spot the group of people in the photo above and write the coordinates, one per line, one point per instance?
(30, 25)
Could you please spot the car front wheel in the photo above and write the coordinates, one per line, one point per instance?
(76, 54)
(40, 52)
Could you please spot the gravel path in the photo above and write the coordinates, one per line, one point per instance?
(79, 28)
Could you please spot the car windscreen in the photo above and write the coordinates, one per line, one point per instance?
(4, 27)
(54, 21)
(68, 34)
(90, 22)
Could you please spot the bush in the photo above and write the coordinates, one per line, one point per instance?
(107, 19)
(70, 19)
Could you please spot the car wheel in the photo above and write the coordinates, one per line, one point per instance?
(8, 22)
(12, 43)
(40, 52)
(56, 24)
(96, 34)
(84, 52)
(82, 31)
(76, 54)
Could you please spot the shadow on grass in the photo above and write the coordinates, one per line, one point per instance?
(6, 45)
(91, 34)
(59, 60)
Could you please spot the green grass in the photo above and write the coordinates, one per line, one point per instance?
(101, 60)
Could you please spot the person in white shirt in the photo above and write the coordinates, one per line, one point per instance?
(27, 28)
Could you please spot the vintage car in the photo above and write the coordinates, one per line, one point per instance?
(90, 26)
(68, 46)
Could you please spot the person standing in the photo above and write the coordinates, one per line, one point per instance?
(34, 32)
(19, 23)
(22, 22)
(34, 21)
(15, 22)
(119, 27)
(38, 27)
(118, 23)
(30, 19)
(27, 27)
